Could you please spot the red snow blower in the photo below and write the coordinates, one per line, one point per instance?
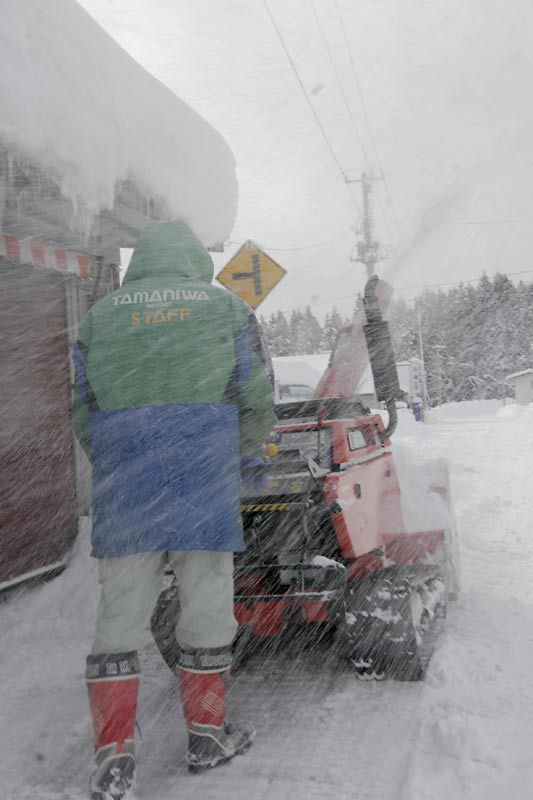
(328, 548)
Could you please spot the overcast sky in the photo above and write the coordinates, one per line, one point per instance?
(436, 93)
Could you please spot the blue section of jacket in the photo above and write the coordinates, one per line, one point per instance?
(166, 478)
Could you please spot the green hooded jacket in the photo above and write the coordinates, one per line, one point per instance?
(170, 372)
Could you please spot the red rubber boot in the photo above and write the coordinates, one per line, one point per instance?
(113, 684)
(212, 741)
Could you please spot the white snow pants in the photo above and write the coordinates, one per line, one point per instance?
(131, 585)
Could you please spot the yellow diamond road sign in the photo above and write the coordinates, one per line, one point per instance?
(251, 274)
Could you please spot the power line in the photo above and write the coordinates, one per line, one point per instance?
(350, 112)
(313, 111)
(493, 222)
(402, 288)
(350, 230)
(458, 283)
(337, 76)
(303, 247)
(345, 99)
(367, 118)
(321, 303)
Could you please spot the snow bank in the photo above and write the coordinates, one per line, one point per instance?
(464, 410)
(513, 411)
(509, 412)
(473, 409)
(76, 103)
(474, 713)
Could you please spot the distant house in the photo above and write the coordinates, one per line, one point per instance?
(411, 377)
(297, 377)
(522, 383)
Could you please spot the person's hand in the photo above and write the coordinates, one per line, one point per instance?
(254, 475)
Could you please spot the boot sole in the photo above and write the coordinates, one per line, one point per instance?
(196, 769)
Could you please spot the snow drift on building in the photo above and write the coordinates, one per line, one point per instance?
(82, 108)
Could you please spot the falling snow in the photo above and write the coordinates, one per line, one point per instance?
(464, 732)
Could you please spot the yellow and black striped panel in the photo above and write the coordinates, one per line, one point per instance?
(252, 508)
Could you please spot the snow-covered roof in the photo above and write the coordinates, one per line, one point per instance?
(72, 100)
(300, 370)
(519, 374)
(308, 370)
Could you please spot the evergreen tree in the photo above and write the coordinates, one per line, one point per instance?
(310, 334)
(295, 325)
(404, 330)
(278, 335)
(332, 323)
(472, 336)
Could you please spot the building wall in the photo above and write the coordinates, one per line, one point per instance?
(38, 515)
(51, 271)
(79, 298)
(524, 388)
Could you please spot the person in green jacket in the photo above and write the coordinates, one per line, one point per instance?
(173, 400)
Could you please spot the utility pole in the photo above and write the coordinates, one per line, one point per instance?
(439, 348)
(368, 250)
(425, 393)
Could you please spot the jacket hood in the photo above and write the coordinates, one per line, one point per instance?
(169, 248)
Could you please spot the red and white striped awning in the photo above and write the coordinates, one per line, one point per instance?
(44, 254)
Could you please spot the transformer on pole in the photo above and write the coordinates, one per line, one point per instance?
(368, 250)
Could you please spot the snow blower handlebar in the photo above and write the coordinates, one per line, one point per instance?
(381, 355)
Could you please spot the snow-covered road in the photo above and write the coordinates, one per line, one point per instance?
(475, 718)
(465, 733)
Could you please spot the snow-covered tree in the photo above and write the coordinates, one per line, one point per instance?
(332, 323)
(473, 336)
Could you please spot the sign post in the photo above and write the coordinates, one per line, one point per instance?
(251, 274)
